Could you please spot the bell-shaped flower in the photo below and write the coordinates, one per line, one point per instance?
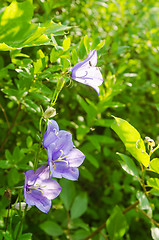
(51, 133)
(39, 188)
(63, 158)
(87, 73)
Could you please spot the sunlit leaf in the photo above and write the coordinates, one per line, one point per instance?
(131, 139)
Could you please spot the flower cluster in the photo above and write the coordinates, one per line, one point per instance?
(63, 161)
(63, 157)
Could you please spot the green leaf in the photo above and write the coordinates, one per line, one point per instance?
(154, 183)
(116, 224)
(80, 234)
(8, 155)
(82, 50)
(26, 236)
(128, 165)
(74, 56)
(86, 44)
(144, 203)
(54, 55)
(4, 164)
(29, 142)
(15, 94)
(132, 140)
(7, 235)
(13, 177)
(66, 44)
(17, 31)
(97, 140)
(84, 172)
(68, 192)
(100, 45)
(51, 228)
(79, 206)
(33, 107)
(154, 165)
(155, 233)
(89, 109)
(92, 160)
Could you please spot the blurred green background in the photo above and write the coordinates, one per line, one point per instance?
(34, 56)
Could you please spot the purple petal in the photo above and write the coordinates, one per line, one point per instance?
(52, 190)
(52, 125)
(30, 177)
(71, 174)
(75, 158)
(36, 198)
(42, 172)
(51, 133)
(91, 59)
(86, 72)
(61, 147)
(44, 205)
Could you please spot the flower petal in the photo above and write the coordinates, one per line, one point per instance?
(71, 174)
(75, 158)
(52, 190)
(42, 172)
(30, 177)
(91, 59)
(86, 72)
(51, 133)
(61, 147)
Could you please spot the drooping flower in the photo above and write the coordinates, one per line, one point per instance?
(87, 73)
(63, 158)
(39, 189)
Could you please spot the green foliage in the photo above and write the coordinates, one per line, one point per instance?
(116, 224)
(40, 41)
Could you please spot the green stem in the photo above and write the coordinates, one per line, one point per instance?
(21, 223)
(39, 146)
(151, 152)
(58, 89)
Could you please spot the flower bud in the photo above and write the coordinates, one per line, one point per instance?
(23, 205)
(50, 112)
(150, 141)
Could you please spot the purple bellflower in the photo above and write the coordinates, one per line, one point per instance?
(63, 158)
(87, 73)
(39, 189)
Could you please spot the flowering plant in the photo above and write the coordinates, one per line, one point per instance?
(87, 73)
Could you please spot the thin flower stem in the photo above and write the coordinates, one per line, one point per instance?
(154, 150)
(10, 129)
(21, 223)
(39, 146)
(142, 182)
(7, 216)
(57, 91)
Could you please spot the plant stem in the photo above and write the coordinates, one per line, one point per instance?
(154, 150)
(39, 146)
